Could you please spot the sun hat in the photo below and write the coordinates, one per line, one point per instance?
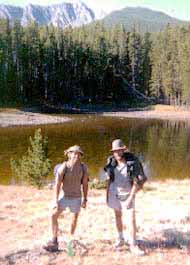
(74, 148)
(118, 144)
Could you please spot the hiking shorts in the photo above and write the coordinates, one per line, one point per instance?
(74, 205)
(116, 204)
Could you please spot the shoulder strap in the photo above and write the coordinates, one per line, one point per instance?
(65, 171)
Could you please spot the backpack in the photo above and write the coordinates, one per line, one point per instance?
(134, 168)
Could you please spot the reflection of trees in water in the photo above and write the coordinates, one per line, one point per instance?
(165, 144)
(169, 149)
(177, 125)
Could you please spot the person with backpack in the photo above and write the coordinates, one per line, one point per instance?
(125, 177)
(71, 175)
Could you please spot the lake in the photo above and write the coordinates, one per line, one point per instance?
(163, 146)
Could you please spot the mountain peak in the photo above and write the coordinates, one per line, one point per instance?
(73, 12)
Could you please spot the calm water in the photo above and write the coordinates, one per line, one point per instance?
(164, 146)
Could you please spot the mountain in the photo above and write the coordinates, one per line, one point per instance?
(145, 19)
(77, 13)
(64, 14)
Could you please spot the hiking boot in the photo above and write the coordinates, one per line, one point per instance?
(119, 243)
(51, 246)
(135, 250)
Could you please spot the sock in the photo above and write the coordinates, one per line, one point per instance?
(54, 239)
(120, 234)
(128, 239)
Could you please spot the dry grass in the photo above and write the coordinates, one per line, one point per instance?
(163, 220)
(161, 112)
(160, 107)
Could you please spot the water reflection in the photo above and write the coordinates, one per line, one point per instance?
(164, 145)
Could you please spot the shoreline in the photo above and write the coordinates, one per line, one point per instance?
(16, 117)
(12, 118)
(162, 221)
(152, 114)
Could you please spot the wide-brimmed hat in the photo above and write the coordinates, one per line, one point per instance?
(74, 148)
(118, 145)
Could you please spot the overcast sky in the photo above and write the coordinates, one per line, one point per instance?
(175, 8)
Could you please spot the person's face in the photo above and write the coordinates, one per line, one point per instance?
(118, 154)
(74, 156)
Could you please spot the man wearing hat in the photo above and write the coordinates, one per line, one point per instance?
(70, 175)
(125, 177)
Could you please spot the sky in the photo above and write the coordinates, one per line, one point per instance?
(175, 8)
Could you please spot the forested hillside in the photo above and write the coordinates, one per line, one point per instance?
(145, 19)
(93, 64)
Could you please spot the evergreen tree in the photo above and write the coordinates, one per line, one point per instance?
(135, 56)
(92, 63)
(35, 166)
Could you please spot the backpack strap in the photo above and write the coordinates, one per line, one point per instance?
(83, 172)
(65, 171)
(56, 168)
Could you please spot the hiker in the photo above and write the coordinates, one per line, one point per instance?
(70, 175)
(125, 176)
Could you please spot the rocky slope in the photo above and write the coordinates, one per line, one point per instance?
(62, 15)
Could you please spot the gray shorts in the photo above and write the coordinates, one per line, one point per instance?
(116, 204)
(74, 205)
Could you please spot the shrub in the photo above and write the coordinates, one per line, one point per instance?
(35, 166)
(97, 184)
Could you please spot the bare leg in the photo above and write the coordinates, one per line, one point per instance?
(130, 221)
(118, 219)
(54, 222)
(74, 223)
(133, 229)
(52, 245)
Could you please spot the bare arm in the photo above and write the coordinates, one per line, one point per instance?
(58, 183)
(108, 182)
(107, 189)
(134, 190)
(132, 194)
(85, 188)
(58, 186)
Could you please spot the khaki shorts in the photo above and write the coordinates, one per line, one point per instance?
(116, 204)
(74, 205)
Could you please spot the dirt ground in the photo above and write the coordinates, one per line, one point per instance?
(163, 221)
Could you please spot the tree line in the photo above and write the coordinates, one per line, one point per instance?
(93, 64)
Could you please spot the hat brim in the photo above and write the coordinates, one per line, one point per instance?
(120, 148)
(76, 151)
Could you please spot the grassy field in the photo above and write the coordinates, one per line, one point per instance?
(163, 221)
